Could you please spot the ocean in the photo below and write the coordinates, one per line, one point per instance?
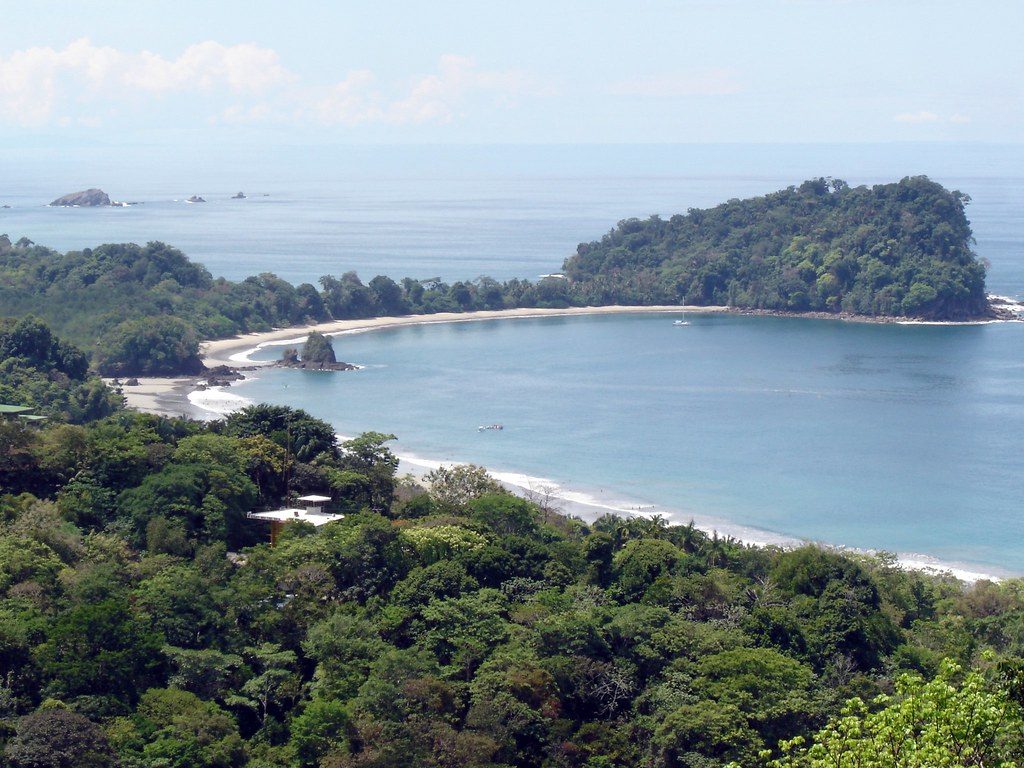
(902, 438)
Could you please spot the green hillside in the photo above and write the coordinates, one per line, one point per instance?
(890, 249)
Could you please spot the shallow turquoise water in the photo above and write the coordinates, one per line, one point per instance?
(905, 438)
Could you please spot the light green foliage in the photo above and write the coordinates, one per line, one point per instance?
(452, 488)
(180, 730)
(956, 719)
(440, 542)
(504, 513)
(320, 729)
(23, 559)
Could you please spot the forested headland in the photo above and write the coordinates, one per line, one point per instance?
(891, 249)
(145, 622)
(900, 249)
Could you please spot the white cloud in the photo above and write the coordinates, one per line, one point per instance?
(440, 97)
(349, 102)
(705, 82)
(44, 85)
(36, 82)
(959, 119)
(208, 65)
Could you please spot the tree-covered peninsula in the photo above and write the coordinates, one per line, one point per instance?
(890, 249)
(899, 249)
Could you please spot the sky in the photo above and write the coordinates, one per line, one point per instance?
(523, 72)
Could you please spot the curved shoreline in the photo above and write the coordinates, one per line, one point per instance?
(225, 351)
(172, 396)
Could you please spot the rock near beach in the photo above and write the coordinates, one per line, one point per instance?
(89, 198)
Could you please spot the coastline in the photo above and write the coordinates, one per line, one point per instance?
(182, 396)
(225, 351)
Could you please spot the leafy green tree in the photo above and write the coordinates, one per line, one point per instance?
(319, 730)
(388, 296)
(100, 651)
(152, 346)
(640, 562)
(505, 514)
(274, 682)
(372, 461)
(955, 719)
(460, 631)
(58, 738)
(454, 487)
(344, 647)
(302, 436)
(206, 672)
(180, 730)
(179, 604)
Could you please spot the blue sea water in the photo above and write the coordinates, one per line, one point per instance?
(905, 438)
(896, 437)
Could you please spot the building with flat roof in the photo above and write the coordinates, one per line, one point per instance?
(311, 512)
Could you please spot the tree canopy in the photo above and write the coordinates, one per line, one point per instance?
(890, 249)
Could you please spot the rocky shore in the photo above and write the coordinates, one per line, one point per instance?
(316, 366)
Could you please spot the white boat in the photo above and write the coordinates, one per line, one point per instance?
(681, 322)
(489, 426)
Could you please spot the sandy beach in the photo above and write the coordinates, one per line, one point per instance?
(225, 351)
(169, 396)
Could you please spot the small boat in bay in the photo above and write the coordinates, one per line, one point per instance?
(489, 426)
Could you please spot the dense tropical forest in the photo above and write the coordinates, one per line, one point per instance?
(891, 249)
(146, 622)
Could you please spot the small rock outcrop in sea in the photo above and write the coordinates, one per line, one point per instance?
(195, 199)
(317, 355)
(238, 196)
(89, 198)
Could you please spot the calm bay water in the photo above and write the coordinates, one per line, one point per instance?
(895, 437)
(898, 437)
